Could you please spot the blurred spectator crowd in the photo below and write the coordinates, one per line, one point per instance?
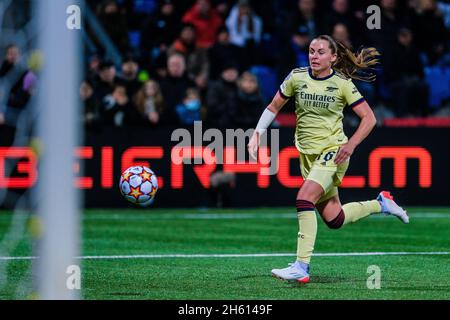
(221, 61)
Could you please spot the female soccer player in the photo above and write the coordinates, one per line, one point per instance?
(321, 92)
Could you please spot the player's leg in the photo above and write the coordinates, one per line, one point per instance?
(330, 207)
(318, 172)
(335, 215)
(308, 194)
(330, 211)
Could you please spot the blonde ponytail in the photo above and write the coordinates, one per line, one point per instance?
(358, 65)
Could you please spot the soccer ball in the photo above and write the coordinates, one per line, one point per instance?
(138, 185)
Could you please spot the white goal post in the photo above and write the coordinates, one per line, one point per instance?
(59, 131)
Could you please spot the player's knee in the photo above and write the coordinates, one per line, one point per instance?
(310, 191)
(337, 222)
(304, 205)
(308, 196)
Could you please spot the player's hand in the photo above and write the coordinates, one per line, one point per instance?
(253, 145)
(345, 151)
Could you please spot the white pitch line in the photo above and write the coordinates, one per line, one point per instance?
(237, 255)
(224, 216)
(233, 216)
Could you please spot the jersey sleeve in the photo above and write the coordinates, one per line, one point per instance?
(352, 94)
(287, 89)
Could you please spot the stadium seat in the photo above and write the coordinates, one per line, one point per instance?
(438, 80)
(135, 38)
(383, 89)
(446, 84)
(145, 6)
(434, 80)
(268, 81)
(442, 84)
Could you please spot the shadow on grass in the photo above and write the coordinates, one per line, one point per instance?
(254, 276)
(335, 279)
(125, 294)
(314, 279)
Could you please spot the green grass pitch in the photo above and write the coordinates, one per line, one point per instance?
(158, 234)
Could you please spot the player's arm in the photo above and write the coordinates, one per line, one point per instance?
(366, 125)
(277, 103)
(264, 122)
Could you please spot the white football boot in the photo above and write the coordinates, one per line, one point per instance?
(389, 207)
(297, 271)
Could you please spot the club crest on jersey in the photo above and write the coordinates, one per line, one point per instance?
(331, 89)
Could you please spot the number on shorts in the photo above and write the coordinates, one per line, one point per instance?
(329, 155)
